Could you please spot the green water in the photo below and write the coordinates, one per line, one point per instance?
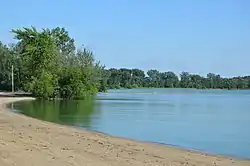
(214, 121)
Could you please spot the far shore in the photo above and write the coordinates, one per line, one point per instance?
(27, 141)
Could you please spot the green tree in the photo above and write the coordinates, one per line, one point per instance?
(185, 80)
(64, 42)
(47, 64)
(154, 76)
(137, 77)
(170, 79)
(39, 57)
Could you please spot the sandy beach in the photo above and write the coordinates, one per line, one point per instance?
(25, 141)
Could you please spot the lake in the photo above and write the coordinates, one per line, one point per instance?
(213, 121)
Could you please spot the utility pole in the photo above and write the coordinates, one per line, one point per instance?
(12, 78)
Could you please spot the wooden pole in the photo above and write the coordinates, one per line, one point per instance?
(12, 78)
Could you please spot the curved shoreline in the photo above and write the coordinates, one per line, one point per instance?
(27, 141)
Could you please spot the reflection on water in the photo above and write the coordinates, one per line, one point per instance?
(214, 121)
(75, 113)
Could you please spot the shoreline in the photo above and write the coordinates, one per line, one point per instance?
(28, 141)
(233, 89)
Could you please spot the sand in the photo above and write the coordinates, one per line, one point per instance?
(25, 141)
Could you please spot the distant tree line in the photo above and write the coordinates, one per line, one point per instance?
(47, 64)
(136, 78)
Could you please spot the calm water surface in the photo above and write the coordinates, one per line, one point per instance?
(214, 121)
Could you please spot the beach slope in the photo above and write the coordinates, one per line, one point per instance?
(26, 141)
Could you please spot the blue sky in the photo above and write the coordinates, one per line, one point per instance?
(198, 36)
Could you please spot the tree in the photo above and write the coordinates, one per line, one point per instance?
(137, 77)
(52, 68)
(185, 80)
(83, 77)
(40, 57)
(196, 81)
(154, 76)
(5, 67)
(47, 64)
(64, 42)
(170, 79)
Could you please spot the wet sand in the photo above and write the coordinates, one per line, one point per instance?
(25, 141)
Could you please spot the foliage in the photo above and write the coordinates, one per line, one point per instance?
(39, 57)
(42, 86)
(5, 67)
(47, 64)
(129, 78)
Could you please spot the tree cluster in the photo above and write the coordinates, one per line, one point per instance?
(134, 78)
(47, 64)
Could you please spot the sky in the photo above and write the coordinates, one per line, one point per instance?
(197, 36)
